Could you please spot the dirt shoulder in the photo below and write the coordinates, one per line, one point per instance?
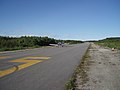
(101, 71)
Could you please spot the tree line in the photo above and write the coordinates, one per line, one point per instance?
(14, 43)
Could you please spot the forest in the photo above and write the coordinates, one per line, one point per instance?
(15, 43)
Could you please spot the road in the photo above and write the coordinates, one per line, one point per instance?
(46, 68)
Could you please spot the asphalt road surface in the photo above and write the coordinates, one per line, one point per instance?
(46, 68)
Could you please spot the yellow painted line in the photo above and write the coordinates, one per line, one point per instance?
(8, 71)
(42, 58)
(26, 64)
(4, 57)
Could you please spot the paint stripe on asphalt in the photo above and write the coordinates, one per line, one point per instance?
(28, 61)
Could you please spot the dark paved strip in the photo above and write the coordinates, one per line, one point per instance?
(51, 74)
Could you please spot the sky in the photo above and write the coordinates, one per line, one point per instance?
(60, 19)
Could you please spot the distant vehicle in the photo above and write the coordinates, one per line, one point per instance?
(54, 45)
(59, 44)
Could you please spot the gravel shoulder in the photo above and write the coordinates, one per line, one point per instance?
(101, 70)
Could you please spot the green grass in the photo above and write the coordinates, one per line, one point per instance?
(110, 42)
(71, 84)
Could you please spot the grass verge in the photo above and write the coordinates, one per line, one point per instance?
(110, 42)
(80, 70)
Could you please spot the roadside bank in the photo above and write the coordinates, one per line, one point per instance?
(100, 70)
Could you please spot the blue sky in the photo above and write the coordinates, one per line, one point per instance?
(61, 19)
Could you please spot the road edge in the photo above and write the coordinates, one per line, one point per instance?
(70, 85)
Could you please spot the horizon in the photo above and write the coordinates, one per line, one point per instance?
(64, 19)
(59, 39)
